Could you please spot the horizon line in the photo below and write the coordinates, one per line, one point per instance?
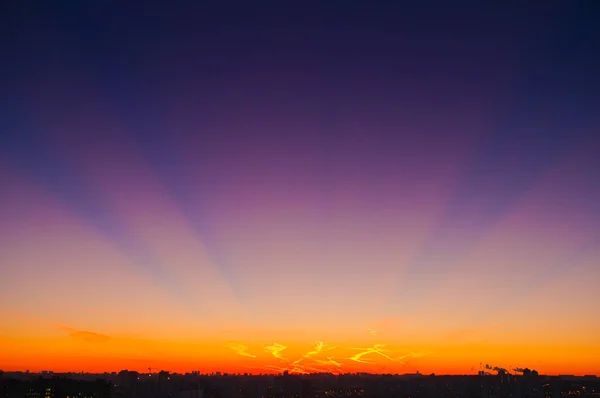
(227, 374)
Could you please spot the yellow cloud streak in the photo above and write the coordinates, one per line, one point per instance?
(276, 349)
(319, 347)
(329, 361)
(376, 349)
(241, 350)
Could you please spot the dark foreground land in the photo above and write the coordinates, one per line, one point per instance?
(163, 384)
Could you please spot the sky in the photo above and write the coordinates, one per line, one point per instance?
(332, 186)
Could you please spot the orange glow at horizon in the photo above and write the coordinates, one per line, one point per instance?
(75, 350)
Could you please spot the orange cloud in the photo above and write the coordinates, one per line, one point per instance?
(90, 337)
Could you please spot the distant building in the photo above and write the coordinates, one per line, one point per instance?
(163, 375)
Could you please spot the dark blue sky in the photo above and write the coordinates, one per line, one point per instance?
(518, 81)
(532, 66)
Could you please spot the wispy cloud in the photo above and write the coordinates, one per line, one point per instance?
(411, 355)
(277, 368)
(319, 348)
(241, 349)
(84, 335)
(329, 361)
(276, 349)
(378, 349)
(299, 370)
